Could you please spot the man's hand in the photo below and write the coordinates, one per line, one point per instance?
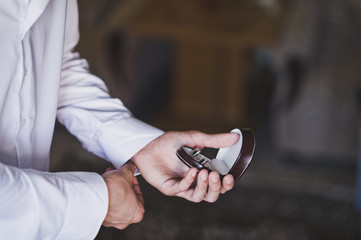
(161, 167)
(126, 205)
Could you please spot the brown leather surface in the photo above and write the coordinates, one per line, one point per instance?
(246, 154)
(188, 160)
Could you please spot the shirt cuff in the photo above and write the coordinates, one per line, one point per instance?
(123, 138)
(87, 196)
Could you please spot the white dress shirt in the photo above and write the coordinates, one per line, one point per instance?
(41, 78)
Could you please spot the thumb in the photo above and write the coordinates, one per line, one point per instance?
(201, 140)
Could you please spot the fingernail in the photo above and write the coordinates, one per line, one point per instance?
(228, 181)
(214, 179)
(194, 173)
(203, 177)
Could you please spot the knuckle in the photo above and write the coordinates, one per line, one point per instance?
(193, 136)
(199, 199)
(183, 188)
(196, 134)
(122, 226)
(166, 190)
(128, 219)
(170, 194)
(105, 224)
(212, 200)
(139, 215)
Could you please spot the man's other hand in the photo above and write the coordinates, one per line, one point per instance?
(126, 204)
(161, 167)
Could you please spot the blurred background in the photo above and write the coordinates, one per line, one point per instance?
(289, 69)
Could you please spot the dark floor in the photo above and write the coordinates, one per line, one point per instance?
(274, 200)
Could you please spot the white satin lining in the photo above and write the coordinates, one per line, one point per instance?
(225, 158)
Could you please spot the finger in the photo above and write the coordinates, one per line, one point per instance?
(128, 170)
(109, 169)
(138, 215)
(137, 190)
(187, 181)
(179, 186)
(120, 226)
(214, 187)
(130, 166)
(188, 195)
(201, 188)
(202, 140)
(228, 183)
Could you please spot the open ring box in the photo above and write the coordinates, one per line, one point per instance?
(232, 160)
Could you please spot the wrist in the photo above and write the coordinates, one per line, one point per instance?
(137, 159)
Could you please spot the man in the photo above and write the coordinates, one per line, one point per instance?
(43, 78)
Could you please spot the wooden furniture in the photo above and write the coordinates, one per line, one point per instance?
(211, 39)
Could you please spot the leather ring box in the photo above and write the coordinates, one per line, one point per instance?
(231, 160)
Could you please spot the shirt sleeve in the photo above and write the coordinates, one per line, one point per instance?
(103, 124)
(51, 205)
